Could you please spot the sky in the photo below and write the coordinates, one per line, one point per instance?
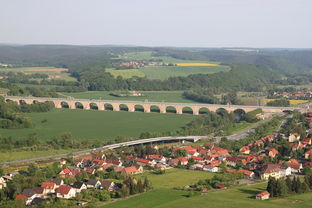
(181, 23)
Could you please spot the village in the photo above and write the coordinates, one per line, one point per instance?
(109, 171)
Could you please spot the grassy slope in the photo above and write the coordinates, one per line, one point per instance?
(232, 198)
(103, 125)
(157, 96)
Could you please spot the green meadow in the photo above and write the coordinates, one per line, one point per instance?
(99, 125)
(237, 197)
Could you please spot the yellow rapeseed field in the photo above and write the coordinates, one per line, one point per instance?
(196, 64)
(292, 102)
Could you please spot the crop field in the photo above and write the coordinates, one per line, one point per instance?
(52, 72)
(242, 196)
(292, 102)
(153, 96)
(98, 125)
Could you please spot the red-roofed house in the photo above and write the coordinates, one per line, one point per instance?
(294, 137)
(263, 196)
(307, 141)
(183, 160)
(146, 162)
(247, 173)
(307, 154)
(245, 150)
(295, 166)
(157, 158)
(132, 170)
(219, 151)
(48, 187)
(272, 152)
(65, 192)
(210, 168)
(198, 159)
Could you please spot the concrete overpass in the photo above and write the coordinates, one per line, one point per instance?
(147, 107)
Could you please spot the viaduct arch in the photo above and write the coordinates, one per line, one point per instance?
(147, 107)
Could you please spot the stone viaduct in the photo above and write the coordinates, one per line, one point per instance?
(147, 107)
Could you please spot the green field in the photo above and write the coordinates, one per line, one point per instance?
(101, 125)
(164, 72)
(27, 70)
(232, 198)
(153, 96)
(22, 155)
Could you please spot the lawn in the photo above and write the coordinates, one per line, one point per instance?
(153, 96)
(231, 198)
(176, 178)
(101, 125)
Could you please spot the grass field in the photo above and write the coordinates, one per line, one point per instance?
(164, 72)
(232, 198)
(101, 125)
(52, 72)
(22, 155)
(176, 178)
(154, 96)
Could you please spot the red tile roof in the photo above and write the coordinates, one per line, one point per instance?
(63, 189)
(130, 170)
(48, 185)
(245, 172)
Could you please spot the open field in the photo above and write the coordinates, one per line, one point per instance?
(52, 72)
(176, 178)
(232, 198)
(183, 68)
(164, 72)
(100, 125)
(153, 96)
(292, 102)
(6, 156)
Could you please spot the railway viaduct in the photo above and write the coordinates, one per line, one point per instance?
(147, 107)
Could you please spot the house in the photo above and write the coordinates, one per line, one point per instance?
(65, 192)
(30, 195)
(63, 162)
(210, 168)
(273, 152)
(58, 182)
(79, 186)
(286, 170)
(145, 162)
(263, 195)
(307, 141)
(2, 183)
(93, 183)
(198, 159)
(297, 145)
(190, 150)
(183, 160)
(245, 150)
(173, 162)
(118, 169)
(232, 161)
(295, 166)
(48, 187)
(116, 162)
(294, 137)
(100, 156)
(109, 185)
(197, 166)
(271, 169)
(69, 173)
(247, 173)
(132, 170)
(157, 158)
(307, 154)
(219, 151)
(40, 192)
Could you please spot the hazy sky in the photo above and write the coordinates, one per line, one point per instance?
(200, 23)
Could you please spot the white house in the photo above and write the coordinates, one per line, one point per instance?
(65, 192)
(210, 168)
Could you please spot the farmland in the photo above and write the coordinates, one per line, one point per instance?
(99, 125)
(52, 72)
(241, 196)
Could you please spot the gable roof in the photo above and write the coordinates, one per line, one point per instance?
(92, 182)
(48, 185)
(28, 192)
(63, 189)
(57, 181)
(130, 170)
(39, 190)
(77, 185)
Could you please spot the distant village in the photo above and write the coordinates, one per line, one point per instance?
(259, 160)
(140, 64)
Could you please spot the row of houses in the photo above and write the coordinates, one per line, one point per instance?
(57, 188)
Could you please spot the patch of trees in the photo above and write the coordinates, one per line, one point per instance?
(283, 187)
(208, 96)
